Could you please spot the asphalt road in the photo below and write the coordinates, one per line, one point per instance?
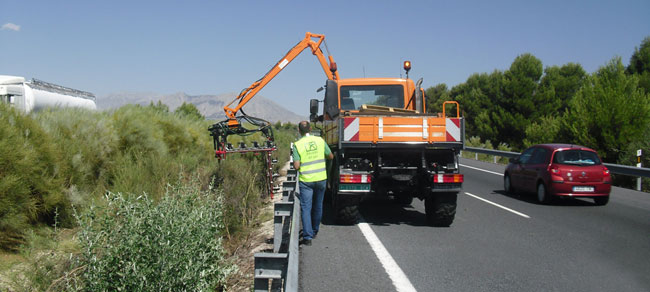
(497, 243)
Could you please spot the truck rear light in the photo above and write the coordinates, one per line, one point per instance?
(447, 178)
(355, 178)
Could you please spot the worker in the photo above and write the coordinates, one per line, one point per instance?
(309, 155)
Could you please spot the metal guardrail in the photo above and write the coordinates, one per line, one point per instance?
(613, 168)
(278, 270)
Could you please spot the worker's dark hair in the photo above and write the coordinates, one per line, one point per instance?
(303, 127)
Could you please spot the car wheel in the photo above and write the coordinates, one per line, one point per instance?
(542, 194)
(601, 201)
(507, 185)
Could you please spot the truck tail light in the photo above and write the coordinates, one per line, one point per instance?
(447, 178)
(355, 178)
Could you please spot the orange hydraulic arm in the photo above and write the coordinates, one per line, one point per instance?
(311, 41)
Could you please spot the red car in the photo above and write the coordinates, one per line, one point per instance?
(559, 170)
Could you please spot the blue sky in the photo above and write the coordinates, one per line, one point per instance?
(215, 47)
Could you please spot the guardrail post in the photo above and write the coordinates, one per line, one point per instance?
(282, 211)
(638, 164)
(269, 266)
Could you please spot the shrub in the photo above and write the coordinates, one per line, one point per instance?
(138, 245)
(30, 178)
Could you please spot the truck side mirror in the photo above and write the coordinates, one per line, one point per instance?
(313, 106)
(331, 106)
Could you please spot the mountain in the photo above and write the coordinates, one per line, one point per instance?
(211, 106)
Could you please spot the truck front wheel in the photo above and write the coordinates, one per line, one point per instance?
(441, 209)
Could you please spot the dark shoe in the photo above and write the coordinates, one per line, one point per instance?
(306, 242)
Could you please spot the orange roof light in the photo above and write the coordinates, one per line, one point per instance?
(333, 67)
(407, 66)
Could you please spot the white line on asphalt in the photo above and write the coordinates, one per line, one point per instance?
(400, 281)
(502, 207)
(463, 165)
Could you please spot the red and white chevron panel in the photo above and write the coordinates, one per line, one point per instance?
(351, 129)
(453, 130)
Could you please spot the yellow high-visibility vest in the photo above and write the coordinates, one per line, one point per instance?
(312, 158)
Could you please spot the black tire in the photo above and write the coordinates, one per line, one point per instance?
(507, 185)
(441, 209)
(542, 194)
(601, 201)
(348, 215)
(344, 213)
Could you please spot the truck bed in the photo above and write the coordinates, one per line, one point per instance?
(395, 128)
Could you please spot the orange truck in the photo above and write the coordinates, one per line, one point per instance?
(385, 142)
(387, 145)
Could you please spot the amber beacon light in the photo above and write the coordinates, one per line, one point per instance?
(407, 66)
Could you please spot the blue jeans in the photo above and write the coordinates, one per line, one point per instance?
(311, 206)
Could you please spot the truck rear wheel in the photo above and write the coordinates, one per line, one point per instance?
(347, 215)
(441, 209)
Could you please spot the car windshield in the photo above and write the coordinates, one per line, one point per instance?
(353, 97)
(576, 157)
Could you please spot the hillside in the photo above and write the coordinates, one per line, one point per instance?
(211, 106)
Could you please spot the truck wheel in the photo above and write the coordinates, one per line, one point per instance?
(347, 215)
(441, 209)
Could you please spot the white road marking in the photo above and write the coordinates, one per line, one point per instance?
(400, 281)
(492, 172)
(502, 207)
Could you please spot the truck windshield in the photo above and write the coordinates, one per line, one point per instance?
(353, 97)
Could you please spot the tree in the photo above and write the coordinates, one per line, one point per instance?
(160, 107)
(609, 112)
(436, 95)
(546, 130)
(518, 104)
(189, 110)
(476, 97)
(558, 86)
(640, 60)
(640, 64)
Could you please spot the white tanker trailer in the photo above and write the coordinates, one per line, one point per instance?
(36, 95)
